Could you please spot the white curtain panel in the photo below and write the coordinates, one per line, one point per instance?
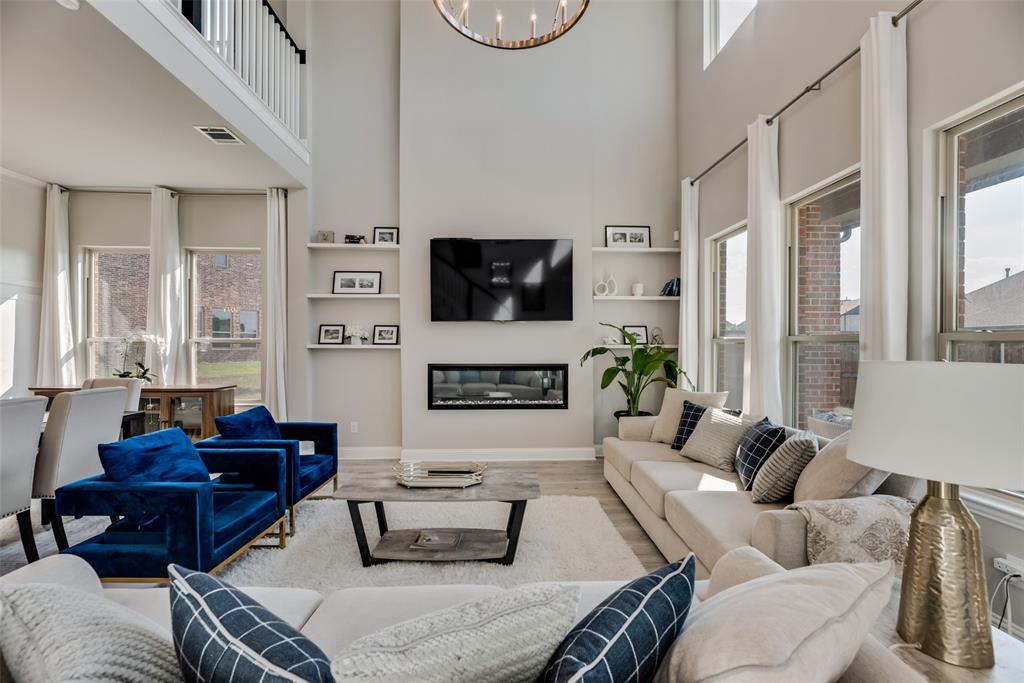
(275, 323)
(165, 315)
(689, 281)
(56, 360)
(884, 190)
(766, 274)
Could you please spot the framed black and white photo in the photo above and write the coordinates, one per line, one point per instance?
(332, 334)
(385, 235)
(385, 334)
(627, 236)
(325, 236)
(356, 282)
(638, 331)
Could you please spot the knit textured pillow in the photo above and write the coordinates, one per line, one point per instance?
(624, 639)
(50, 632)
(715, 439)
(221, 634)
(756, 446)
(777, 477)
(503, 637)
(692, 412)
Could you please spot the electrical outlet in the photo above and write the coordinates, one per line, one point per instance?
(1010, 565)
(354, 427)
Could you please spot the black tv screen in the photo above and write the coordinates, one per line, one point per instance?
(500, 279)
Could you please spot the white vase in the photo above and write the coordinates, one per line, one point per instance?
(356, 341)
(638, 289)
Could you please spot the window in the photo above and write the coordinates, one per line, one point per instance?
(721, 20)
(825, 301)
(226, 299)
(117, 282)
(983, 240)
(729, 326)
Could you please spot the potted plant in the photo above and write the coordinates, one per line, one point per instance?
(637, 370)
(140, 371)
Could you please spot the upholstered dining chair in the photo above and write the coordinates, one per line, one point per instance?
(79, 421)
(20, 422)
(132, 384)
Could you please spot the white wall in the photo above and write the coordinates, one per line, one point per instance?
(960, 54)
(22, 227)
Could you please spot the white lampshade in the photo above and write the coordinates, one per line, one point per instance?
(959, 423)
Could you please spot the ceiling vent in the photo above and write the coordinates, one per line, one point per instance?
(219, 135)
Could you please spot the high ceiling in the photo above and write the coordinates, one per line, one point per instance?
(83, 106)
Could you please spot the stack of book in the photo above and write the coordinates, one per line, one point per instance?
(439, 474)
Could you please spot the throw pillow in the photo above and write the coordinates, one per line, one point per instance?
(626, 636)
(166, 455)
(255, 423)
(220, 633)
(757, 445)
(715, 439)
(51, 632)
(805, 624)
(503, 637)
(830, 475)
(778, 475)
(667, 424)
(866, 529)
(740, 565)
(688, 419)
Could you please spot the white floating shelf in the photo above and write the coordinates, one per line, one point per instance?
(636, 298)
(352, 296)
(356, 347)
(627, 250)
(626, 346)
(353, 247)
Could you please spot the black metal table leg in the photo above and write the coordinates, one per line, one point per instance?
(515, 524)
(28, 539)
(357, 526)
(382, 520)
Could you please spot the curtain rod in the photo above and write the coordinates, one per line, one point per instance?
(174, 192)
(816, 85)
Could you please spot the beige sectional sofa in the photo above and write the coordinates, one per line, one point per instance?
(685, 505)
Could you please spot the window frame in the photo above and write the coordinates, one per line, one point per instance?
(712, 44)
(91, 338)
(948, 332)
(194, 340)
(716, 341)
(794, 338)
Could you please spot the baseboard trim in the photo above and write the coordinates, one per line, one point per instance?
(369, 452)
(498, 454)
(1015, 630)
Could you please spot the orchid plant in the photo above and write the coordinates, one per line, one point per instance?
(140, 371)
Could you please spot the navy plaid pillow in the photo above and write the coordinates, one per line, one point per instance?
(757, 445)
(692, 412)
(223, 635)
(625, 637)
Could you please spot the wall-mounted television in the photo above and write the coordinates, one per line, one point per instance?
(502, 280)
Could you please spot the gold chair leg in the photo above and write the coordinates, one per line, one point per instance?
(335, 483)
(291, 519)
(282, 537)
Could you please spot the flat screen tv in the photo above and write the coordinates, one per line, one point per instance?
(500, 280)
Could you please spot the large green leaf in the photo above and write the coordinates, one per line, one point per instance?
(596, 351)
(609, 376)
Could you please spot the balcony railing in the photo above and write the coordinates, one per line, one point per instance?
(252, 40)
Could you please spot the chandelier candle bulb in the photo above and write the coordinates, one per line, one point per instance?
(497, 26)
(464, 14)
(533, 25)
(561, 10)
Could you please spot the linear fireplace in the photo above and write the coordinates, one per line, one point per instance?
(497, 386)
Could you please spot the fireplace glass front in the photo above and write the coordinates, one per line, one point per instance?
(497, 387)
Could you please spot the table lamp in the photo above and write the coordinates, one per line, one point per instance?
(953, 424)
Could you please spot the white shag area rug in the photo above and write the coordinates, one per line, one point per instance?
(564, 538)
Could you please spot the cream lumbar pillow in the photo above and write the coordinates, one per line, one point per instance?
(831, 475)
(715, 439)
(667, 423)
(505, 637)
(806, 624)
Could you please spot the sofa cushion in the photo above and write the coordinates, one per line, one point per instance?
(255, 423)
(740, 565)
(688, 421)
(314, 470)
(831, 475)
(717, 436)
(672, 409)
(757, 445)
(166, 455)
(221, 633)
(778, 475)
(622, 454)
(652, 479)
(713, 522)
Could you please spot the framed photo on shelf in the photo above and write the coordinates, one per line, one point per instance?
(638, 331)
(325, 236)
(356, 282)
(627, 236)
(385, 235)
(386, 335)
(332, 334)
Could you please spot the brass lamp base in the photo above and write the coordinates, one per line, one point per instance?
(944, 598)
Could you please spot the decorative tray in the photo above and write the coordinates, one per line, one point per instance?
(439, 474)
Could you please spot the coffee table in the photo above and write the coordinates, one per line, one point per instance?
(364, 483)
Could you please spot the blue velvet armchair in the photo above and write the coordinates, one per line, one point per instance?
(305, 474)
(200, 525)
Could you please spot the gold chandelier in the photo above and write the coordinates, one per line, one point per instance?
(456, 13)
